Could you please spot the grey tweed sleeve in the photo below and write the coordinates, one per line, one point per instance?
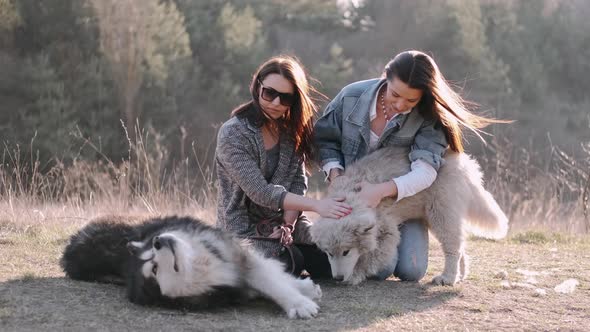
(240, 164)
(299, 185)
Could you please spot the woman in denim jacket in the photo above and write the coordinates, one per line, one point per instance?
(411, 107)
(260, 167)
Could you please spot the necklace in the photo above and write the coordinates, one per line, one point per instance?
(387, 117)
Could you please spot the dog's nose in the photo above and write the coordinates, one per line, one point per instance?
(157, 243)
(338, 278)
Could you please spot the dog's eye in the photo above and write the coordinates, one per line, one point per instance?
(155, 269)
(345, 253)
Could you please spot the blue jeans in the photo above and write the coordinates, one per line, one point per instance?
(412, 253)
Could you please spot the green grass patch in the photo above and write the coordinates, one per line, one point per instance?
(536, 237)
(41, 235)
(29, 276)
(5, 313)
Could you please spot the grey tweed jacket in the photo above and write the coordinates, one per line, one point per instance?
(244, 196)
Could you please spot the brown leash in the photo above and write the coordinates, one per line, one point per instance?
(268, 230)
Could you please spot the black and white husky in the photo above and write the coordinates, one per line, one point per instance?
(183, 262)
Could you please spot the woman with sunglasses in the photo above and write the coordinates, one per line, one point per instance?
(260, 159)
(410, 107)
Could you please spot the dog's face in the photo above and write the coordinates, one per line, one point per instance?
(346, 240)
(179, 264)
(174, 264)
(343, 263)
(161, 267)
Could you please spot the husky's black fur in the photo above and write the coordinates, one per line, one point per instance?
(100, 252)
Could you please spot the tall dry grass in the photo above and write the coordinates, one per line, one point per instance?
(553, 195)
(547, 190)
(146, 183)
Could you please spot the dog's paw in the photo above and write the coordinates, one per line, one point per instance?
(310, 289)
(443, 280)
(302, 308)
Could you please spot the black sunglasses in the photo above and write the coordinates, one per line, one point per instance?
(270, 94)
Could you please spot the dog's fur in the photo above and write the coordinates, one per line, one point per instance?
(183, 262)
(365, 242)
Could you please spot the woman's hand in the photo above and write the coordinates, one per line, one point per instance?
(372, 194)
(334, 208)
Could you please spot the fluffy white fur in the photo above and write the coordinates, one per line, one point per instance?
(364, 242)
(192, 264)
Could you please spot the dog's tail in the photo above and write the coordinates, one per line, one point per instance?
(98, 252)
(485, 217)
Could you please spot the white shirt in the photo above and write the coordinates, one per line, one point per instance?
(421, 176)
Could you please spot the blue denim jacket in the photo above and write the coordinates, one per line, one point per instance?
(343, 132)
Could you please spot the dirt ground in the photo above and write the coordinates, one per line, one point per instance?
(511, 287)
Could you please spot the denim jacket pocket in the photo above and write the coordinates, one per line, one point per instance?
(350, 146)
(398, 141)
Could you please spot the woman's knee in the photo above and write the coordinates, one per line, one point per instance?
(408, 269)
(412, 251)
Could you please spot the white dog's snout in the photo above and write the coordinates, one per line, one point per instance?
(343, 265)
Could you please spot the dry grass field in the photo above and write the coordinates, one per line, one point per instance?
(511, 287)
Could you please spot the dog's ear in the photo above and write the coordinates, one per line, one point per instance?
(134, 247)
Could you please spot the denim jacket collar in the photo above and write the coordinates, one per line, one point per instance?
(359, 114)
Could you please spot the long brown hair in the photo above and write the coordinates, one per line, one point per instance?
(298, 121)
(419, 71)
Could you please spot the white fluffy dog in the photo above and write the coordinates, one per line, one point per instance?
(364, 242)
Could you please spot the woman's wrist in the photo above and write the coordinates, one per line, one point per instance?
(317, 204)
(314, 205)
(290, 216)
(388, 189)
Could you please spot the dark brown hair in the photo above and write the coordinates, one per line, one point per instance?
(419, 71)
(298, 121)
